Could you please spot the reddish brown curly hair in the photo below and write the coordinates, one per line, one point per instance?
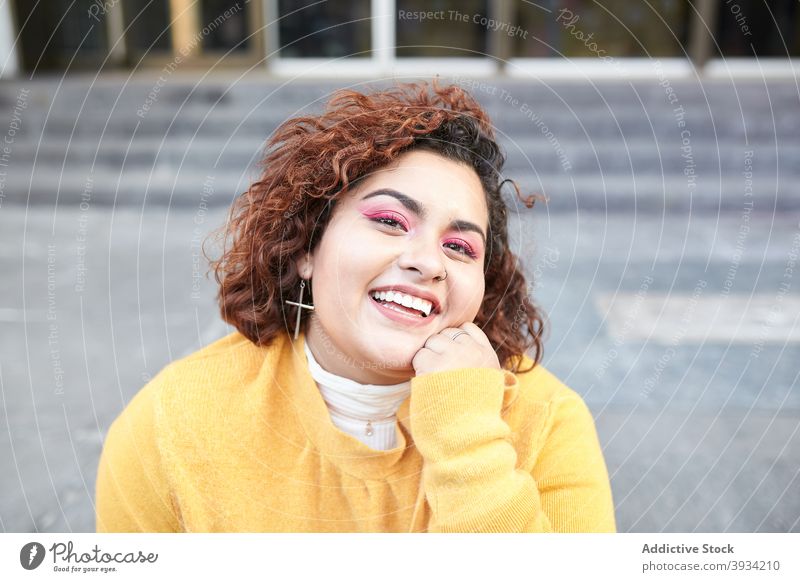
(311, 161)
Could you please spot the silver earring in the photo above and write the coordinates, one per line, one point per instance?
(300, 306)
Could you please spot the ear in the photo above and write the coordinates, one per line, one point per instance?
(305, 266)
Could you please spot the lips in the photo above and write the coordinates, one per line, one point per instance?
(402, 302)
(403, 315)
(408, 296)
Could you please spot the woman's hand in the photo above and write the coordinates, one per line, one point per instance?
(470, 349)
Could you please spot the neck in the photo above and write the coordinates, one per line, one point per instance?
(328, 355)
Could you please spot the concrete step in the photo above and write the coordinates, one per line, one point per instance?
(529, 153)
(224, 108)
(131, 91)
(163, 185)
(607, 146)
(566, 125)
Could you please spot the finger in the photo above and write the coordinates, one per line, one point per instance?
(457, 338)
(438, 343)
(476, 333)
(422, 358)
(459, 333)
(462, 336)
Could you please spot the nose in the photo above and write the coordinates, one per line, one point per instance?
(424, 256)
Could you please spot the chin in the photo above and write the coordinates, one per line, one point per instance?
(394, 358)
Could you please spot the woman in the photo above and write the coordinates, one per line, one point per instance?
(379, 379)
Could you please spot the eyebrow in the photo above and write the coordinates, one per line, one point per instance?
(415, 207)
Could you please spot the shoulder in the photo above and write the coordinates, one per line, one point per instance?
(234, 353)
(215, 377)
(541, 387)
(559, 446)
(547, 413)
(190, 395)
(222, 366)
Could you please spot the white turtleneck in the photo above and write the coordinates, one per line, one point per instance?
(352, 405)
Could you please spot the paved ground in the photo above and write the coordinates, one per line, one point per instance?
(678, 324)
(712, 447)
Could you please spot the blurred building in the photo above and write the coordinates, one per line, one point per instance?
(370, 37)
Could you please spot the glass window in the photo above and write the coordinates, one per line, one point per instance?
(148, 20)
(225, 31)
(590, 28)
(442, 28)
(327, 29)
(58, 33)
(746, 28)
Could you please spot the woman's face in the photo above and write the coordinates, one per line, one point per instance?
(402, 228)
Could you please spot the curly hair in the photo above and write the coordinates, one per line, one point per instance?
(312, 161)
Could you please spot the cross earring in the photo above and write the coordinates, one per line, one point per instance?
(300, 306)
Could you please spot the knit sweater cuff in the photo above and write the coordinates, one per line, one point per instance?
(469, 475)
(452, 411)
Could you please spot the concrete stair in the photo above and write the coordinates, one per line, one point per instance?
(589, 146)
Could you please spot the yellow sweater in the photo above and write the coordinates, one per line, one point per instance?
(237, 437)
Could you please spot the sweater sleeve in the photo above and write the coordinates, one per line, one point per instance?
(472, 476)
(132, 493)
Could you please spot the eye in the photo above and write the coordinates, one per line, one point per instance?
(393, 221)
(462, 248)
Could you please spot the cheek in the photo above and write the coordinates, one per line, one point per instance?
(350, 243)
(468, 297)
(477, 298)
(346, 269)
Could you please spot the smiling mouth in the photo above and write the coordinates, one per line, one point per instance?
(421, 311)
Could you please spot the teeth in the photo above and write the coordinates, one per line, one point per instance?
(405, 300)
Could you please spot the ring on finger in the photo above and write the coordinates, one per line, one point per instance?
(458, 333)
